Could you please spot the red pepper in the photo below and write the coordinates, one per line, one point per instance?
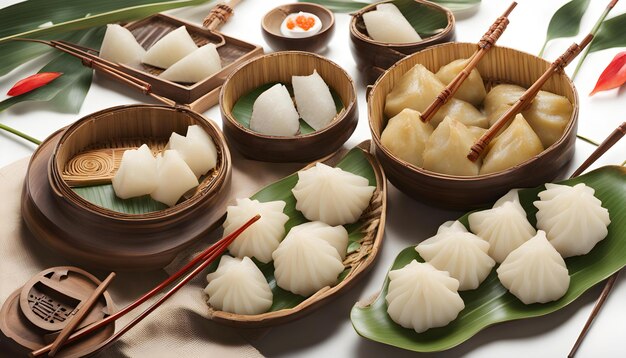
(613, 76)
(33, 82)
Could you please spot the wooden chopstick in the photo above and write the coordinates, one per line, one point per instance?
(526, 98)
(205, 257)
(484, 45)
(613, 138)
(78, 317)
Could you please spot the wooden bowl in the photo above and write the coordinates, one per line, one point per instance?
(500, 65)
(279, 67)
(374, 57)
(270, 27)
(359, 261)
(103, 238)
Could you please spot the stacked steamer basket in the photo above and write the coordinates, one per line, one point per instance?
(88, 152)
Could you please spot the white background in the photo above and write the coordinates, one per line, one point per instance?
(328, 331)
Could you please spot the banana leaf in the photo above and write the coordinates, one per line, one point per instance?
(354, 162)
(566, 21)
(104, 196)
(491, 303)
(69, 90)
(456, 6)
(242, 110)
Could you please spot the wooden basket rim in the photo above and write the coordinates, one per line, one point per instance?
(457, 178)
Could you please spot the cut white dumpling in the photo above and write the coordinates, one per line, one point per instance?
(120, 46)
(195, 67)
(421, 297)
(388, 24)
(472, 90)
(515, 145)
(314, 100)
(273, 113)
(447, 148)
(174, 178)
(262, 237)
(462, 254)
(331, 195)
(505, 226)
(304, 263)
(572, 217)
(535, 272)
(136, 175)
(170, 49)
(238, 286)
(405, 136)
(418, 88)
(337, 236)
(196, 148)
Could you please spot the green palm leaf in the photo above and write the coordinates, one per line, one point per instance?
(456, 6)
(491, 303)
(566, 21)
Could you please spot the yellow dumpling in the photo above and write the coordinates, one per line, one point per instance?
(418, 88)
(405, 136)
(502, 95)
(515, 145)
(447, 148)
(548, 115)
(472, 90)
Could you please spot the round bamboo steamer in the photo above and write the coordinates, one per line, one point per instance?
(500, 65)
(102, 238)
(374, 57)
(279, 67)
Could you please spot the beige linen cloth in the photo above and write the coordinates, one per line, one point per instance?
(178, 327)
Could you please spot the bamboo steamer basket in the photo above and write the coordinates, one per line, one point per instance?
(359, 261)
(89, 151)
(500, 65)
(374, 57)
(279, 67)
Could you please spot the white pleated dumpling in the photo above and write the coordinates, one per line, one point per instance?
(337, 236)
(505, 226)
(462, 254)
(170, 49)
(120, 46)
(406, 135)
(314, 100)
(262, 237)
(572, 217)
(304, 263)
(195, 67)
(472, 90)
(331, 195)
(535, 272)
(421, 297)
(136, 175)
(273, 113)
(238, 286)
(196, 148)
(174, 178)
(447, 148)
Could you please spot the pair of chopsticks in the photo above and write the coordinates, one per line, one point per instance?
(484, 45)
(203, 260)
